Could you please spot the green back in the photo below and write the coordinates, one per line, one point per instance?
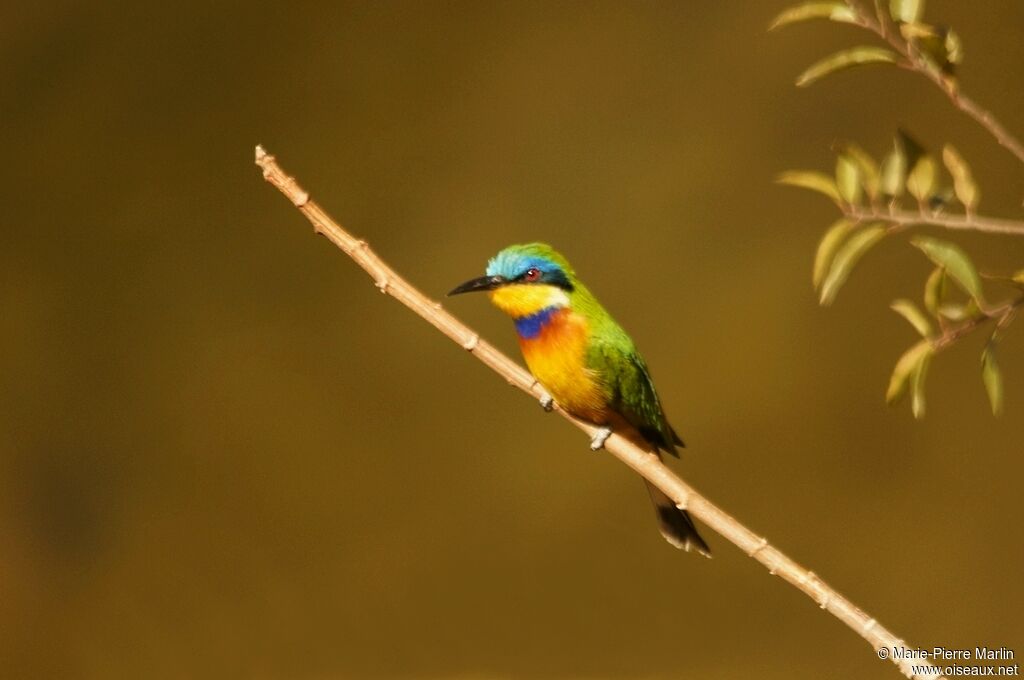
(615, 359)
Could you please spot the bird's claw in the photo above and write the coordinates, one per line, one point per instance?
(599, 438)
(547, 403)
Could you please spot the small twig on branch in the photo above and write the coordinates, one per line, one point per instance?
(1002, 315)
(643, 462)
(915, 62)
(909, 218)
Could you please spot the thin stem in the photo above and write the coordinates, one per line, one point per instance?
(915, 62)
(879, 13)
(643, 462)
(1002, 315)
(908, 218)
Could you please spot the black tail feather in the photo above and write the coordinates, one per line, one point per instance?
(676, 525)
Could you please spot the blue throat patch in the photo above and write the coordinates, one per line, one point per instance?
(529, 327)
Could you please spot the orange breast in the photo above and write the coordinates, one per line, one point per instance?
(557, 358)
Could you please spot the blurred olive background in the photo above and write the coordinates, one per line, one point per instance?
(225, 454)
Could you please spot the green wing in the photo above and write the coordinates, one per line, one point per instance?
(631, 390)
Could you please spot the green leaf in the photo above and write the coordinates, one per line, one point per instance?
(992, 377)
(848, 179)
(935, 291)
(954, 48)
(846, 259)
(963, 182)
(869, 175)
(958, 312)
(921, 180)
(855, 56)
(836, 11)
(938, 44)
(916, 30)
(827, 247)
(909, 311)
(809, 179)
(917, 405)
(905, 155)
(906, 10)
(956, 263)
(904, 370)
(894, 173)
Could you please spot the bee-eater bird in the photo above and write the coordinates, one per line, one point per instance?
(585, 361)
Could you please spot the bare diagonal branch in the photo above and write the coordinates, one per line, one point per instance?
(646, 464)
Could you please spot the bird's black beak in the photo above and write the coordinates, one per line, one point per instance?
(476, 285)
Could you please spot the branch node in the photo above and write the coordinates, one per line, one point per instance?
(471, 344)
(761, 545)
(382, 285)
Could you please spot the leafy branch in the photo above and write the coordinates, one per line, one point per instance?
(643, 462)
(934, 52)
(955, 321)
(870, 196)
(931, 50)
(909, 218)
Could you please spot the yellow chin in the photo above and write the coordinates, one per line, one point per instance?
(519, 300)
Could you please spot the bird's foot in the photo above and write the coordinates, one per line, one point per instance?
(547, 403)
(599, 438)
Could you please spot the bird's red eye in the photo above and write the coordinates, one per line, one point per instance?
(532, 274)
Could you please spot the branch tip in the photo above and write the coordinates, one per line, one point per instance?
(916, 62)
